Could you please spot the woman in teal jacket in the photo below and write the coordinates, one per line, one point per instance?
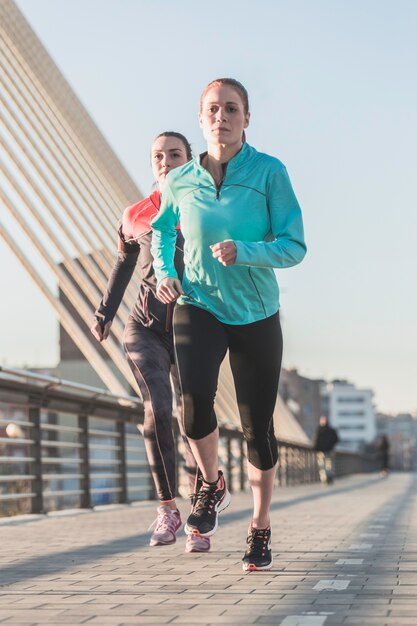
(240, 219)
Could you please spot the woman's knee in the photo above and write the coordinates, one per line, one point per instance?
(198, 416)
(262, 448)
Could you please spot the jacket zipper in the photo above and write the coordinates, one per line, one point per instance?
(218, 188)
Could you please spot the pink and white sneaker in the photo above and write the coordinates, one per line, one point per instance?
(196, 543)
(166, 525)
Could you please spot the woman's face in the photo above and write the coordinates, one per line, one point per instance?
(167, 153)
(222, 116)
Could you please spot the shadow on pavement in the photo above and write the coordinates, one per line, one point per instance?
(59, 562)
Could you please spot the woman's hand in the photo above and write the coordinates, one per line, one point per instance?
(169, 290)
(101, 332)
(224, 252)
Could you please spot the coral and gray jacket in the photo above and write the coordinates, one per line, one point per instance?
(134, 244)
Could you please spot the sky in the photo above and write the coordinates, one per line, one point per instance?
(332, 94)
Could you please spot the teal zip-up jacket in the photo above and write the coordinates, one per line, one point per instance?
(256, 207)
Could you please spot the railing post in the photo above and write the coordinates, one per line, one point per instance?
(298, 454)
(242, 465)
(287, 471)
(294, 465)
(85, 499)
(291, 465)
(122, 482)
(337, 464)
(177, 460)
(306, 464)
(229, 464)
(36, 464)
(306, 472)
(312, 469)
(279, 466)
(304, 468)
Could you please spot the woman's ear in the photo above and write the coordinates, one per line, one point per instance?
(247, 119)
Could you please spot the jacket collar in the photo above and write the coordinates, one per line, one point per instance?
(235, 162)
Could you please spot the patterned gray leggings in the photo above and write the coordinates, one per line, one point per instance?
(150, 356)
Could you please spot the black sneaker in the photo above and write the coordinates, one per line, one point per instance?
(258, 555)
(207, 502)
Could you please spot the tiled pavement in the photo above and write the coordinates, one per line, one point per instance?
(346, 554)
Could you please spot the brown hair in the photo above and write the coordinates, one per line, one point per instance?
(184, 140)
(232, 83)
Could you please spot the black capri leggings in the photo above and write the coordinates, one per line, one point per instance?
(255, 352)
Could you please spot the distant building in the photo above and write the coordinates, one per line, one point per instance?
(302, 396)
(72, 363)
(351, 411)
(401, 431)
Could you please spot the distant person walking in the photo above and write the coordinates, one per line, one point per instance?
(148, 340)
(240, 219)
(383, 452)
(325, 440)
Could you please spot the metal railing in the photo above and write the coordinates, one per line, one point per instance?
(66, 445)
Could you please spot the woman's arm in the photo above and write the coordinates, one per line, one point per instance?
(288, 247)
(164, 237)
(119, 279)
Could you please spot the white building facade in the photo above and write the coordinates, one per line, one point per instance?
(351, 411)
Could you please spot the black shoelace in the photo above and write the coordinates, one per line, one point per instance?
(258, 541)
(204, 499)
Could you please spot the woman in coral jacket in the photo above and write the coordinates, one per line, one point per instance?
(148, 342)
(240, 220)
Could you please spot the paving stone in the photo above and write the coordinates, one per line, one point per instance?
(137, 619)
(97, 568)
(386, 621)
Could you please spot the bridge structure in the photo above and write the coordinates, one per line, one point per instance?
(62, 190)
